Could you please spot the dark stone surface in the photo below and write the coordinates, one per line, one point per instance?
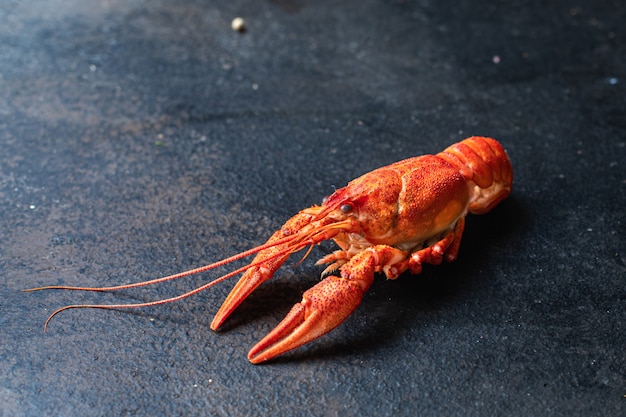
(138, 139)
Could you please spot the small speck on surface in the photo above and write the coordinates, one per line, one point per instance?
(238, 24)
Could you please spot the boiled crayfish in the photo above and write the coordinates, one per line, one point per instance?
(390, 220)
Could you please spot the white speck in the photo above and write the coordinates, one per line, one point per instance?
(255, 86)
(612, 80)
(589, 229)
(32, 207)
(496, 59)
(92, 68)
(238, 24)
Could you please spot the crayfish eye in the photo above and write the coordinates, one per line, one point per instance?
(346, 208)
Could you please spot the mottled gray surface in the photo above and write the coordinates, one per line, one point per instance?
(138, 139)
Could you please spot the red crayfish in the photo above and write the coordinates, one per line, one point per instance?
(390, 220)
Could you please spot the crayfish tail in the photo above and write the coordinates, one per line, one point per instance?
(484, 162)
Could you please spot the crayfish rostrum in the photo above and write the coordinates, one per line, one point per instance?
(390, 220)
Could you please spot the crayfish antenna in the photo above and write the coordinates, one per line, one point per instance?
(167, 278)
(147, 304)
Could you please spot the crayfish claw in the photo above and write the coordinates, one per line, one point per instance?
(253, 277)
(323, 307)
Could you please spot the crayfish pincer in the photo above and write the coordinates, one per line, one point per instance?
(390, 220)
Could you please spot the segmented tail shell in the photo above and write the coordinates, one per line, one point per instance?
(484, 162)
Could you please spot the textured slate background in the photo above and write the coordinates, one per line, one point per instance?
(138, 139)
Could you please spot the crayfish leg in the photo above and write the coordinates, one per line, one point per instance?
(434, 254)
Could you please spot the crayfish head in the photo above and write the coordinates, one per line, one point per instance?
(368, 203)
